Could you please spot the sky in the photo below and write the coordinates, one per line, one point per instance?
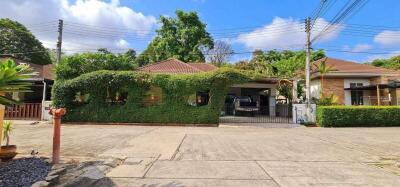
(371, 32)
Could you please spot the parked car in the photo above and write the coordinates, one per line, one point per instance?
(244, 104)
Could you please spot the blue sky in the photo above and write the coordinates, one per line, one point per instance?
(220, 14)
(239, 22)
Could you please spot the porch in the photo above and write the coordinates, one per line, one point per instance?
(255, 102)
(375, 94)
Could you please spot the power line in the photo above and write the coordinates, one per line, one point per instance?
(340, 16)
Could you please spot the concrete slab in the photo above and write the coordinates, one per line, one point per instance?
(244, 170)
(267, 145)
(289, 173)
(151, 143)
(192, 182)
(131, 168)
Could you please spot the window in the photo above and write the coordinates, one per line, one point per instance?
(153, 96)
(356, 95)
(202, 98)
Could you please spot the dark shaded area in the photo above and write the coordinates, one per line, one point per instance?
(23, 172)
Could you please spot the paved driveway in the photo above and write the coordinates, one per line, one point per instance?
(230, 155)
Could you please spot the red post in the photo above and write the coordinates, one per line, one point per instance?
(57, 114)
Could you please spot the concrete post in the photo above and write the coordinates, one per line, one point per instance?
(57, 114)
(294, 92)
(2, 109)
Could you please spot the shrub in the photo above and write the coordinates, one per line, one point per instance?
(327, 101)
(173, 107)
(358, 116)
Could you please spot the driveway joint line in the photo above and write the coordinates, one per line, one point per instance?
(179, 146)
(263, 169)
(201, 178)
(150, 166)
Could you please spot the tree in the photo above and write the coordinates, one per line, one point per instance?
(78, 64)
(220, 54)
(322, 68)
(390, 63)
(182, 37)
(103, 51)
(282, 64)
(16, 39)
(130, 53)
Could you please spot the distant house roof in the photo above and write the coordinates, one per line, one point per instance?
(344, 67)
(43, 71)
(177, 66)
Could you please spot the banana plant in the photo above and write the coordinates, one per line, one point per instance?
(13, 79)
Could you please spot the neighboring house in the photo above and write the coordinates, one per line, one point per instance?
(262, 91)
(177, 67)
(40, 91)
(357, 84)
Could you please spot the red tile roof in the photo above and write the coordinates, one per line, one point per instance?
(343, 66)
(177, 66)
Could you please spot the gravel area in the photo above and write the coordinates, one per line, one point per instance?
(23, 171)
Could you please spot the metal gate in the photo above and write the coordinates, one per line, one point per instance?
(24, 111)
(281, 113)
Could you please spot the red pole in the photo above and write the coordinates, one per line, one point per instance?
(57, 114)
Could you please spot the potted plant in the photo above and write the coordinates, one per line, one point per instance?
(8, 151)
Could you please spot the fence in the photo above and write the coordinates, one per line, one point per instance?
(24, 111)
(281, 113)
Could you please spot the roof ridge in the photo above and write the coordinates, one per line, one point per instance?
(337, 63)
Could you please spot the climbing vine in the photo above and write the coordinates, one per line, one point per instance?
(119, 96)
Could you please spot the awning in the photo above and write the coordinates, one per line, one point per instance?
(395, 84)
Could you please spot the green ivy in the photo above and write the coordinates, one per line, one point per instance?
(174, 107)
(358, 116)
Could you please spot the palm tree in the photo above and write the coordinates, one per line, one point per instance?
(12, 79)
(322, 68)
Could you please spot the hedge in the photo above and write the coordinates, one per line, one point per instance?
(358, 116)
(174, 107)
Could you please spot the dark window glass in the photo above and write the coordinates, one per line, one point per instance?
(356, 95)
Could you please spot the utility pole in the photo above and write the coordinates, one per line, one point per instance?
(308, 54)
(308, 58)
(59, 42)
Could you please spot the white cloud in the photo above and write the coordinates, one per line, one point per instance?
(284, 33)
(358, 48)
(116, 19)
(388, 38)
(122, 43)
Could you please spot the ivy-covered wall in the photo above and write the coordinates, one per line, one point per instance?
(89, 97)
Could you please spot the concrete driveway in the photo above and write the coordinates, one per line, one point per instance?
(229, 155)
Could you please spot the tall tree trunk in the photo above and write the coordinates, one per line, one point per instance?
(322, 86)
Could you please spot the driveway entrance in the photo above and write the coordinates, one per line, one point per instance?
(226, 156)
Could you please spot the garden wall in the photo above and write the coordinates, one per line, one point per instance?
(358, 116)
(123, 96)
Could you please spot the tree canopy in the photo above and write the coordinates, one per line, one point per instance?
(182, 37)
(16, 39)
(390, 63)
(278, 63)
(78, 64)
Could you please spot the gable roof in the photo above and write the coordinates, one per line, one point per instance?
(347, 67)
(43, 71)
(176, 66)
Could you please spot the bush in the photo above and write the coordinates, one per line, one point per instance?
(173, 107)
(358, 116)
